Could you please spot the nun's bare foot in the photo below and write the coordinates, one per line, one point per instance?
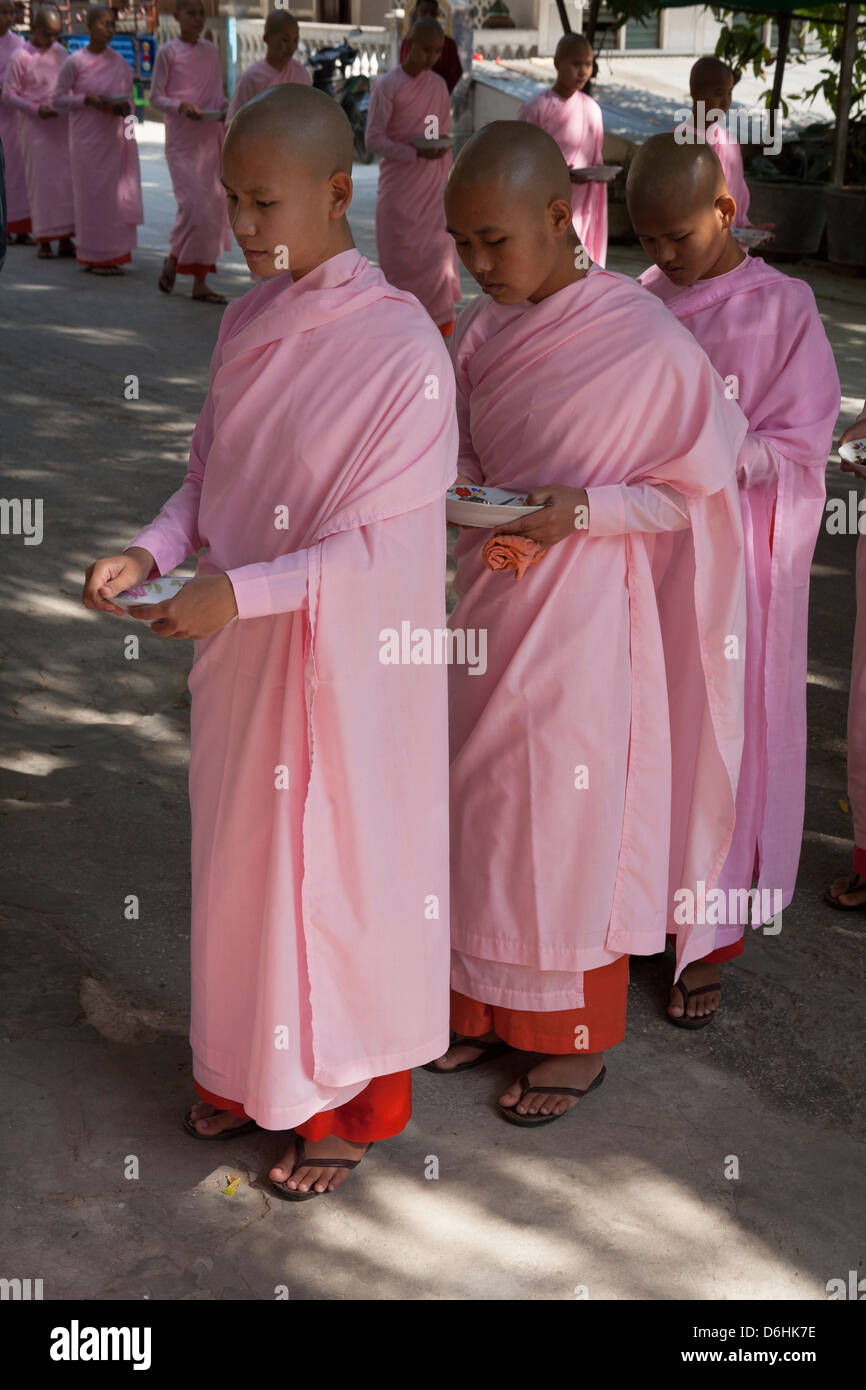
(849, 891)
(693, 977)
(208, 1120)
(463, 1052)
(202, 291)
(312, 1175)
(558, 1070)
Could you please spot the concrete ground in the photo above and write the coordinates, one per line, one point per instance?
(627, 1198)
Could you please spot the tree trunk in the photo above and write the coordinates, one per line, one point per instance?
(843, 99)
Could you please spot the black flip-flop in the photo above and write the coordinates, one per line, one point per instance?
(166, 279)
(231, 1133)
(508, 1112)
(293, 1194)
(489, 1050)
(685, 1021)
(855, 885)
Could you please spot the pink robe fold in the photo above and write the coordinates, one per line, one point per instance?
(185, 72)
(550, 878)
(106, 181)
(319, 908)
(258, 77)
(44, 144)
(17, 205)
(576, 126)
(762, 332)
(415, 251)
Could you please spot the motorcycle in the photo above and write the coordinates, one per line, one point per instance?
(330, 67)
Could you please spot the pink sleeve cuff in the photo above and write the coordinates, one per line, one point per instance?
(164, 554)
(278, 586)
(606, 510)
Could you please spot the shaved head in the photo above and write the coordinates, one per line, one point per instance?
(94, 11)
(425, 27)
(310, 125)
(522, 160)
(47, 17)
(681, 209)
(666, 174)
(572, 43)
(708, 72)
(280, 19)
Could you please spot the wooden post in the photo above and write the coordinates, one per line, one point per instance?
(843, 99)
(566, 27)
(592, 20)
(783, 22)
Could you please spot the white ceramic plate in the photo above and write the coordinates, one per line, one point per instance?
(599, 173)
(444, 142)
(468, 505)
(747, 237)
(854, 452)
(150, 592)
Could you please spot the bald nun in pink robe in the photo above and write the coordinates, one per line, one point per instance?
(17, 207)
(43, 140)
(576, 125)
(552, 875)
(189, 73)
(319, 815)
(762, 332)
(105, 172)
(415, 251)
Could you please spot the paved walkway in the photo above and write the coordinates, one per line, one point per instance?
(628, 1198)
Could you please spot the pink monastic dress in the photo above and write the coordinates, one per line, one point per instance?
(416, 253)
(190, 72)
(106, 181)
(561, 750)
(29, 84)
(762, 332)
(576, 125)
(318, 771)
(17, 206)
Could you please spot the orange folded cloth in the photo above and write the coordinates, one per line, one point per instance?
(511, 553)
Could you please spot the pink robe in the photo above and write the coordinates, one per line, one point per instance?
(29, 84)
(857, 697)
(105, 174)
(260, 76)
(416, 253)
(763, 329)
(550, 878)
(576, 126)
(17, 206)
(320, 907)
(187, 72)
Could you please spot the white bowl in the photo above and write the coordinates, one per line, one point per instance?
(854, 452)
(747, 237)
(155, 591)
(492, 506)
(442, 142)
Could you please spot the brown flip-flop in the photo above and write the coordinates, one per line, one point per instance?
(232, 1133)
(508, 1112)
(489, 1050)
(293, 1194)
(685, 1021)
(855, 885)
